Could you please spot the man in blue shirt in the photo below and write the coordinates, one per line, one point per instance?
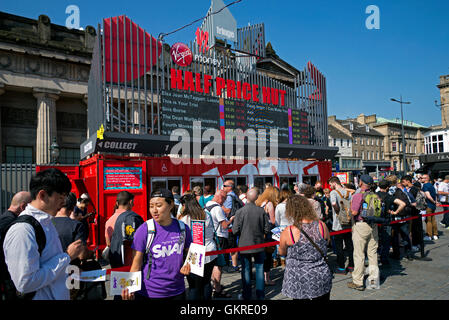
(431, 195)
(228, 187)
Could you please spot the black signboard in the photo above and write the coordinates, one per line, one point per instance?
(180, 110)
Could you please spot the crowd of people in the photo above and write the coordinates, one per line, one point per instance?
(45, 230)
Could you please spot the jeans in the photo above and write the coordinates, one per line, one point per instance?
(403, 230)
(384, 242)
(445, 220)
(347, 239)
(246, 260)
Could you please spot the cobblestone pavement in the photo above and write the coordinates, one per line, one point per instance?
(403, 280)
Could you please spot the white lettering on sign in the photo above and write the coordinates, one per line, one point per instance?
(207, 60)
(119, 145)
(224, 32)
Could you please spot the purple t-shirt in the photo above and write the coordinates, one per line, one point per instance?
(165, 278)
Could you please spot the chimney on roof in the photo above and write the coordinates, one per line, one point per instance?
(361, 118)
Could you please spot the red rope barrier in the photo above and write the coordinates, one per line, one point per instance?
(274, 243)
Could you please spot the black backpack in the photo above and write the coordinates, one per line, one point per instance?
(7, 289)
(236, 205)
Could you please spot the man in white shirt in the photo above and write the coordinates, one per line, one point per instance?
(221, 224)
(30, 271)
(443, 192)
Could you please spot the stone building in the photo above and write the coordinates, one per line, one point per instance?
(435, 157)
(345, 159)
(44, 72)
(391, 130)
(367, 143)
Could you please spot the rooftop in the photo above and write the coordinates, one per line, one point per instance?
(408, 123)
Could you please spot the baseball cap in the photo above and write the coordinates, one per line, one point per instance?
(367, 179)
(162, 193)
(84, 196)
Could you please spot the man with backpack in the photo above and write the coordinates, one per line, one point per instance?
(340, 199)
(36, 263)
(365, 235)
(390, 206)
(230, 207)
(401, 228)
(125, 226)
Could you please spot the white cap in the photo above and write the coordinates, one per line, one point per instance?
(84, 196)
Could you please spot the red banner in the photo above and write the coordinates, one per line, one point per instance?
(133, 46)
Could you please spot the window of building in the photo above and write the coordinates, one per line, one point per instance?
(361, 141)
(382, 155)
(19, 154)
(372, 155)
(377, 155)
(382, 143)
(166, 183)
(341, 142)
(348, 142)
(394, 146)
(335, 142)
(363, 155)
(69, 156)
(355, 140)
(356, 153)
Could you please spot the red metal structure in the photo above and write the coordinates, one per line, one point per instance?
(104, 176)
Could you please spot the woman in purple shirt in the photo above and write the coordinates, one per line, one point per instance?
(166, 278)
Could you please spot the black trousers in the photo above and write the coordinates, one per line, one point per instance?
(416, 230)
(200, 287)
(445, 220)
(345, 238)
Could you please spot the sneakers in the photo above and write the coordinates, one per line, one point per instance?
(435, 237)
(340, 271)
(427, 238)
(415, 249)
(352, 285)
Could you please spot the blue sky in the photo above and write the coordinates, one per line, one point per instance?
(364, 68)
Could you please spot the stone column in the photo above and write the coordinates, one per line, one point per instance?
(46, 122)
(2, 91)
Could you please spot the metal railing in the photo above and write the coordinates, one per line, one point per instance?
(14, 178)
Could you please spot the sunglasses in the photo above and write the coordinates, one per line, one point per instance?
(226, 186)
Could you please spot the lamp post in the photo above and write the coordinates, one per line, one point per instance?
(54, 150)
(404, 162)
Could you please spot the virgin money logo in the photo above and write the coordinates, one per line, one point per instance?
(181, 54)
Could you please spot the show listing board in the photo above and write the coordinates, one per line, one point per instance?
(179, 110)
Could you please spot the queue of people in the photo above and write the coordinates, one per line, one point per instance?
(41, 235)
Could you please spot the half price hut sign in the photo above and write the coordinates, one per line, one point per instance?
(196, 82)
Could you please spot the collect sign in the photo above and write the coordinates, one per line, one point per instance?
(120, 178)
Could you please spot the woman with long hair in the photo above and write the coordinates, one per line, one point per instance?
(268, 200)
(307, 275)
(280, 218)
(200, 287)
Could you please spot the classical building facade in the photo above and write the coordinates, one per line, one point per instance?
(44, 72)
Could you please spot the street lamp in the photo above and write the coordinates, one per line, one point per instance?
(54, 150)
(403, 136)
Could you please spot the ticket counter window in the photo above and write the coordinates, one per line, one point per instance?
(200, 181)
(310, 180)
(165, 183)
(290, 181)
(261, 181)
(238, 181)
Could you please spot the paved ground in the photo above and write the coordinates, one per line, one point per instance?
(404, 280)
